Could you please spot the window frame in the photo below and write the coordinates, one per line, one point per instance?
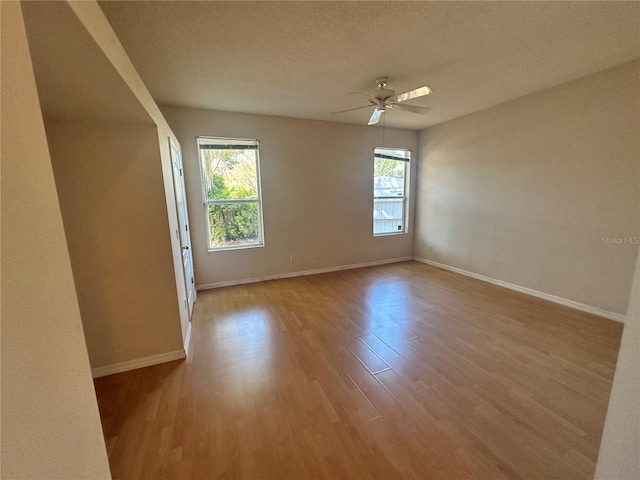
(405, 196)
(206, 202)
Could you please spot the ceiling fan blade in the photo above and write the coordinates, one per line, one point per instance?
(350, 109)
(418, 92)
(373, 99)
(410, 108)
(375, 116)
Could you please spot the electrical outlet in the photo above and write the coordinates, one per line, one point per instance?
(315, 256)
(430, 247)
(292, 258)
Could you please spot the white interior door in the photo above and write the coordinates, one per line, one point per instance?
(183, 225)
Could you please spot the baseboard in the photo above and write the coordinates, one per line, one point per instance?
(534, 293)
(138, 363)
(229, 283)
(301, 273)
(187, 340)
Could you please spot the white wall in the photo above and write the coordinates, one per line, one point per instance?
(619, 457)
(112, 197)
(317, 187)
(50, 422)
(524, 192)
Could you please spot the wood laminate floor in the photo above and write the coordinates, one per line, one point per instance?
(396, 371)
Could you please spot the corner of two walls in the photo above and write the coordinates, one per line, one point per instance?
(618, 455)
(540, 192)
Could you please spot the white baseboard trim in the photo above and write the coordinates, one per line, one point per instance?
(229, 283)
(315, 271)
(534, 293)
(137, 363)
(187, 339)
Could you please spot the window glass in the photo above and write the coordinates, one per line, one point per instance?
(390, 170)
(231, 190)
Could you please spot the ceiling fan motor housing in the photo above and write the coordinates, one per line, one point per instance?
(384, 98)
(383, 93)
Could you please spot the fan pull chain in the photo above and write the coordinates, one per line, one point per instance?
(384, 119)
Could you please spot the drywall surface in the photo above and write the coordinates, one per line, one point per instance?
(50, 422)
(541, 192)
(96, 40)
(619, 457)
(110, 185)
(317, 191)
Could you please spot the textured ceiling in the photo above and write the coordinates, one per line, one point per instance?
(303, 59)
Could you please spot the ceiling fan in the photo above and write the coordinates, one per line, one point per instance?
(384, 98)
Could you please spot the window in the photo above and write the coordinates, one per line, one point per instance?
(231, 190)
(390, 175)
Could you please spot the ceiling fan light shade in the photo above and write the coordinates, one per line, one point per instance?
(418, 92)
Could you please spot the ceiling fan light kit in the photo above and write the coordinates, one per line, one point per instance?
(384, 98)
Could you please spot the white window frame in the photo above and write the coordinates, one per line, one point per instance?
(206, 202)
(405, 197)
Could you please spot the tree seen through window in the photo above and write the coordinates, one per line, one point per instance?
(230, 180)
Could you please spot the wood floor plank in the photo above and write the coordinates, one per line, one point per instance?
(396, 371)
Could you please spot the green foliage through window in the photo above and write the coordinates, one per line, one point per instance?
(385, 167)
(230, 181)
(234, 224)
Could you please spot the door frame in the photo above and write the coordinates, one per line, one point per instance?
(173, 146)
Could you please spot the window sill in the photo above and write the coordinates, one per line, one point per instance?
(235, 247)
(390, 234)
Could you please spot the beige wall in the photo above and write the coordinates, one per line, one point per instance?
(110, 186)
(317, 193)
(50, 422)
(524, 192)
(84, 75)
(97, 26)
(619, 457)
